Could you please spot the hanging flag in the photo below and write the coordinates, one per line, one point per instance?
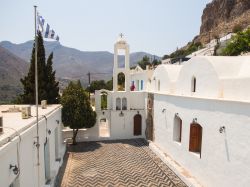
(47, 32)
(41, 21)
(51, 34)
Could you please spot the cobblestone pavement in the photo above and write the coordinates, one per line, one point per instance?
(115, 163)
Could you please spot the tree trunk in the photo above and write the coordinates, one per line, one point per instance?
(74, 136)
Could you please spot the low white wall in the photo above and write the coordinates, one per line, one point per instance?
(225, 157)
(28, 154)
(121, 127)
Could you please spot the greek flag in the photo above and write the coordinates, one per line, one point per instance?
(46, 32)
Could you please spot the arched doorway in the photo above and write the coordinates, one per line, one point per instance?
(195, 140)
(104, 129)
(137, 124)
(177, 130)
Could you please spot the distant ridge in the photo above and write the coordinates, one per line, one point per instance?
(73, 63)
(12, 68)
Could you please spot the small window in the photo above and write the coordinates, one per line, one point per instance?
(193, 84)
(177, 130)
(118, 103)
(104, 100)
(132, 87)
(195, 139)
(141, 84)
(137, 86)
(159, 85)
(124, 103)
(103, 120)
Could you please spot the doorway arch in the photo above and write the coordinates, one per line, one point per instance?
(137, 125)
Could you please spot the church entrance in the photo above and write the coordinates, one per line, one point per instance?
(104, 129)
(137, 124)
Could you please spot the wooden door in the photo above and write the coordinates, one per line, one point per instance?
(137, 125)
(195, 138)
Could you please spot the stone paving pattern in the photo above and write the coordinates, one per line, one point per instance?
(115, 163)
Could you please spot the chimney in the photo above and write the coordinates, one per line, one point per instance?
(26, 112)
(44, 104)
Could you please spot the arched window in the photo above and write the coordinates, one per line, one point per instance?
(121, 82)
(177, 131)
(104, 100)
(141, 84)
(137, 86)
(118, 103)
(124, 103)
(195, 139)
(193, 84)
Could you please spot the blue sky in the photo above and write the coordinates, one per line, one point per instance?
(154, 26)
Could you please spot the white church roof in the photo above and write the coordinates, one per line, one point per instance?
(226, 67)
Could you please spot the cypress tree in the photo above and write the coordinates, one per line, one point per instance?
(47, 86)
(52, 85)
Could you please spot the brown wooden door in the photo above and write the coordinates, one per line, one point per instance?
(137, 125)
(195, 138)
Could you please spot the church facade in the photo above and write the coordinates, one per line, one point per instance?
(196, 113)
(202, 116)
(121, 112)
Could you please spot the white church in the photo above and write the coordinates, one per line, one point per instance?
(197, 115)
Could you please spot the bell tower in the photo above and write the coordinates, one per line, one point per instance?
(121, 78)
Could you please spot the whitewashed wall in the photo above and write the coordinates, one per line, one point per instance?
(28, 154)
(121, 127)
(225, 157)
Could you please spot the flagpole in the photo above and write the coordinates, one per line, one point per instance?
(36, 93)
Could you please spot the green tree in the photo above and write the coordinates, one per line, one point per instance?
(96, 85)
(165, 57)
(28, 82)
(109, 84)
(240, 43)
(144, 62)
(76, 112)
(156, 62)
(191, 47)
(52, 88)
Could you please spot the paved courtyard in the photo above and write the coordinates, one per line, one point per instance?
(115, 163)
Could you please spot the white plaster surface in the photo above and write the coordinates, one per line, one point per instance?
(22, 151)
(225, 157)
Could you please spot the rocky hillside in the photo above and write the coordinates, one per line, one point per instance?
(221, 16)
(12, 68)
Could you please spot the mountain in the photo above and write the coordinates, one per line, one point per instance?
(221, 16)
(12, 68)
(71, 63)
